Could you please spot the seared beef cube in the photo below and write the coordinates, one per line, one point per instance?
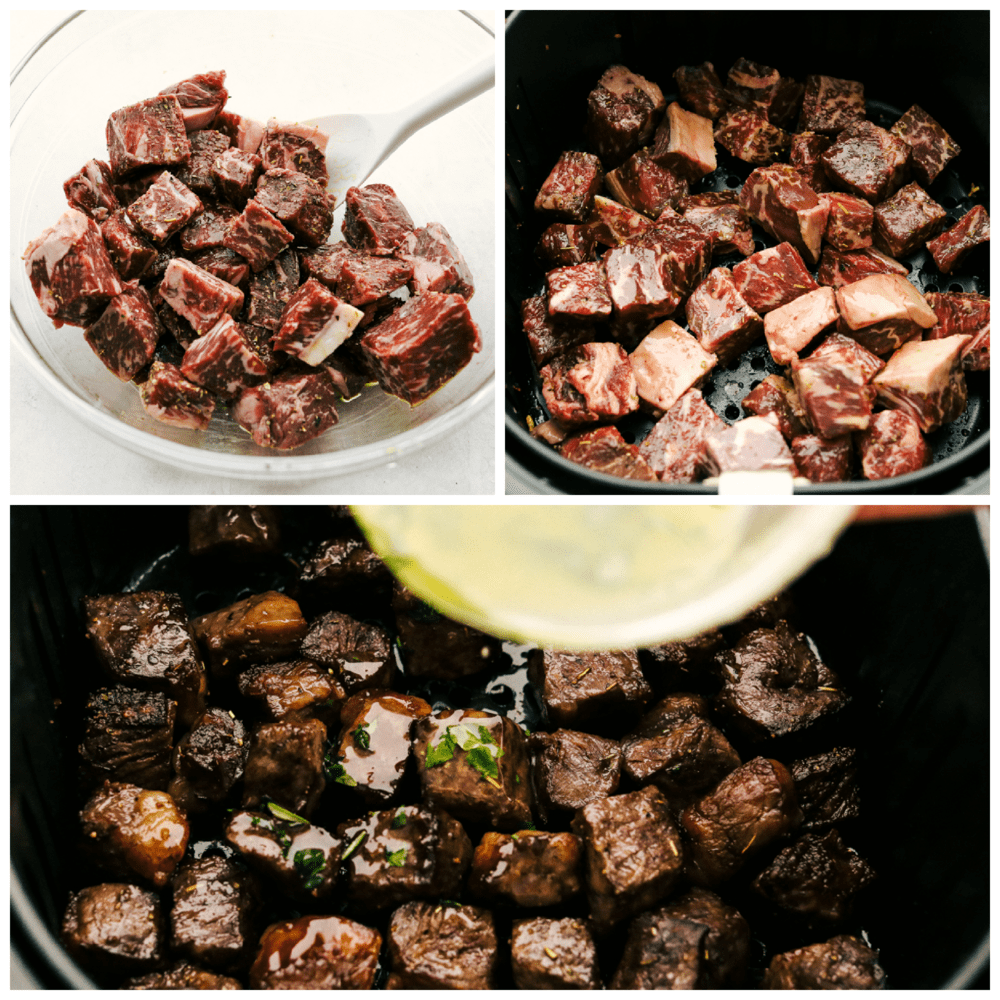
(830, 104)
(568, 192)
(166, 208)
(206, 147)
(826, 787)
(673, 449)
(223, 361)
(605, 450)
(668, 362)
(638, 280)
(570, 769)
(257, 235)
(529, 868)
(130, 253)
(578, 686)
(475, 765)
(594, 382)
(213, 916)
(403, 854)
(764, 90)
(182, 976)
(438, 264)
(726, 225)
(823, 461)
(767, 614)
(201, 98)
(773, 277)
(563, 244)
(422, 345)
(777, 396)
(684, 144)
(720, 317)
(661, 953)
(817, 879)
(579, 292)
(209, 760)
(554, 955)
(132, 832)
(834, 400)
(173, 399)
(547, 336)
(244, 533)
(259, 629)
(314, 323)
(622, 111)
(127, 333)
(932, 148)
(643, 185)
(748, 810)
(804, 154)
(295, 146)
(679, 665)
(701, 90)
(849, 224)
(610, 224)
(114, 930)
(374, 748)
(924, 378)
(70, 271)
(300, 859)
(206, 231)
(341, 566)
(90, 191)
(128, 736)
(144, 640)
(199, 297)
(791, 327)
(906, 221)
(634, 856)
(779, 199)
(271, 288)
(868, 161)
(750, 137)
(150, 133)
(316, 953)
(842, 963)
(376, 220)
(235, 173)
(951, 247)
(299, 689)
(285, 764)
(751, 444)
(838, 269)
(359, 654)
(299, 202)
(775, 684)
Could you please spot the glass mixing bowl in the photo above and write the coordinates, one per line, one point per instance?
(292, 66)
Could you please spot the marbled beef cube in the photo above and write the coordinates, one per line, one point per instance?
(314, 323)
(726, 225)
(834, 400)
(963, 312)
(150, 133)
(90, 191)
(749, 445)
(674, 448)
(259, 338)
(170, 397)
(207, 229)
(166, 208)
(773, 277)
(777, 396)
(129, 188)
(701, 90)
(804, 154)
(849, 224)
(642, 184)
(362, 279)
(568, 192)
(823, 461)
(791, 327)
(639, 282)
(611, 223)
(826, 786)
(764, 90)
(210, 758)
(933, 149)
(438, 264)
(720, 317)
(848, 355)
(199, 297)
(605, 450)
(882, 312)
(271, 288)
(668, 362)
(579, 292)
(295, 146)
(223, 361)
(257, 235)
(592, 383)
(750, 137)
(548, 954)
(570, 769)
(285, 765)
(830, 104)
(953, 245)
(126, 334)
(234, 174)
(686, 248)
(842, 963)
(182, 976)
(299, 202)
(130, 253)
(224, 264)
(837, 269)
(622, 111)
(359, 653)
(206, 147)
(243, 132)
(422, 345)
(867, 161)
(376, 220)
(925, 379)
(634, 854)
(685, 144)
(201, 98)
(70, 271)
(779, 199)
(548, 336)
(531, 868)
(563, 244)
(906, 221)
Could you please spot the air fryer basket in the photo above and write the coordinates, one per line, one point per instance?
(554, 59)
(901, 609)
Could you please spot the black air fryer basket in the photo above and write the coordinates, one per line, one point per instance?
(901, 610)
(554, 59)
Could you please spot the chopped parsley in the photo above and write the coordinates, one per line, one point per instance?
(353, 845)
(280, 812)
(399, 820)
(481, 751)
(310, 863)
(396, 858)
(362, 738)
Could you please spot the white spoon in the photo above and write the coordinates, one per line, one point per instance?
(359, 143)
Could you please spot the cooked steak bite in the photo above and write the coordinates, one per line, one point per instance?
(285, 765)
(475, 765)
(150, 133)
(299, 202)
(550, 954)
(952, 246)
(90, 191)
(568, 192)
(126, 334)
(130, 253)
(749, 445)
(684, 143)
(784, 205)
(114, 930)
(403, 854)
(842, 963)
(144, 640)
(314, 323)
(295, 146)
(680, 665)
(171, 398)
(634, 854)
(773, 277)
(244, 533)
(529, 868)
(201, 98)
(882, 312)
(257, 235)
(932, 148)
(777, 396)
(206, 230)
(376, 220)
(299, 689)
(830, 104)
(791, 327)
(214, 913)
(622, 112)
(849, 224)
(359, 653)
(182, 976)
(271, 289)
(134, 833)
(592, 383)
(128, 737)
(906, 221)
(342, 565)
(661, 953)
(674, 448)
(720, 317)
(804, 154)
(316, 953)
(209, 760)
(199, 297)
(867, 161)
(838, 269)
(750, 137)
(206, 147)
(821, 460)
(826, 788)
(570, 769)
(223, 360)
(605, 450)
(166, 208)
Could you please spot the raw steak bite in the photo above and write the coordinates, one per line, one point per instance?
(207, 229)
(804, 155)
(749, 445)
(868, 161)
(292, 408)
(70, 271)
(563, 244)
(244, 133)
(579, 292)
(271, 288)
(376, 220)
(720, 317)
(687, 251)
(611, 223)
(668, 362)
(201, 98)
(848, 355)
(299, 202)
(837, 269)
(605, 450)
(773, 277)
(592, 383)
(750, 137)
(126, 335)
(206, 146)
(639, 281)
(685, 144)
(959, 312)
(764, 90)
(314, 323)
(790, 328)
(548, 337)
(779, 199)
(777, 396)
(830, 104)
(951, 247)
(821, 460)
(438, 264)
(199, 297)
(166, 208)
(932, 148)
(223, 361)
(832, 396)
(235, 174)
(906, 221)
(421, 346)
(726, 225)
(150, 133)
(924, 378)
(701, 90)
(892, 445)
(622, 112)
(882, 312)
(849, 224)
(643, 185)
(296, 146)
(224, 264)
(675, 447)
(173, 399)
(257, 235)
(568, 192)
(90, 191)
(131, 253)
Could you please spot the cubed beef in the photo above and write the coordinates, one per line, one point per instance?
(837, 269)
(285, 765)
(906, 221)
(804, 155)
(611, 223)
(830, 104)
(605, 450)
(622, 111)
(529, 868)
(314, 323)
(289, 410)
(579, 292)
(182, 332)
(680, 665)
(201, 298)
(882, 312)
(773, 277)
(953, 245)
(570, 769)
(235, 173)
(127, 189)
(684, 143)
(867, 161)
(821, 460)
(791, 327)
(130, 253)
(548, 954)
(848, 355)
(701, 90)
(166, 208)
(767, 614)
(295, 146)
(720, 317)
(359, 653)
(126, 334)
(134, 833)
(752, 444)
(243, 533)
(668, 362)
(376, 220)
(643, 185)
(223, 360)
(750, 137)
(317, 953)
(257, 235)
(244, 133)
(833, 398)
(674, 448)
(271, 288)
(299, 202)
(777, 396)
(344, 565)
(784, 205)
(764, 90)
(201, 98)
(568, 192)
(591, 383)
(932, 148)
(297, 689)
(548, 336)
(150, 133)
(171, 398)
(661, 953)
(356, 277)
(438, 264)
(564, 244)
(640, 284)
(686, 249)
(196, 174)
(90, 191)
(182, 976)
(963, 313)
(826, 788)
(849, 224)
(726, 225)
(842, 963)
(224, 264)
(207, 230)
